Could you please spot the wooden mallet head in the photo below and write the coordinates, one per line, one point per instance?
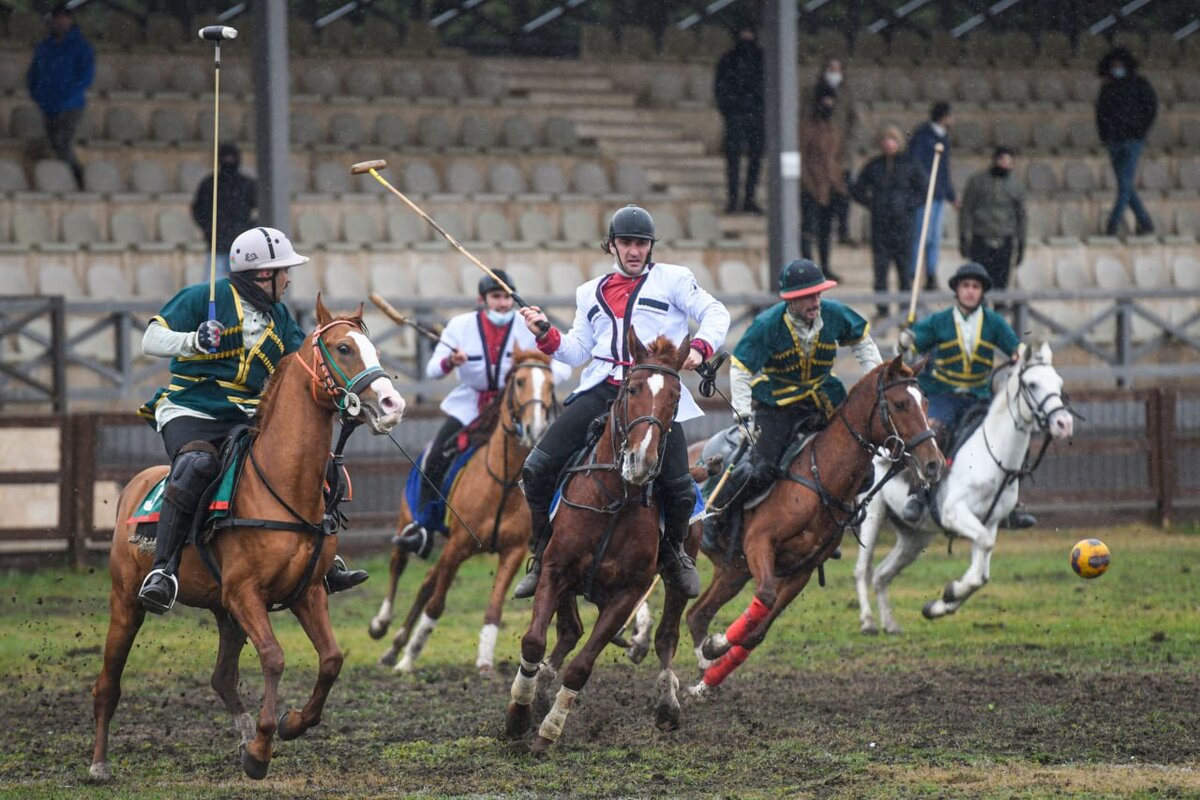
(363, 167)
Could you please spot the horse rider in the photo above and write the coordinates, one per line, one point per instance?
(655, 299)
(782, 370)
(477, 347)
(218, 370)
(964, 340)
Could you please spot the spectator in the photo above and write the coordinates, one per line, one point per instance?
(992, 223)
(237, 197)
(822, 152)
(1125, 110)
(934, 132)
(831, 78)
(62, 69)
(739, 92)
(891, 185)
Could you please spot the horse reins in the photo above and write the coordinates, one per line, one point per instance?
(323, 369)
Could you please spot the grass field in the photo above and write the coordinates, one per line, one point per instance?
(1044, 685)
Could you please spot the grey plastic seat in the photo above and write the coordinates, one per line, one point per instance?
(519, 133)
(343, 280)
(1189, 133)
(456, 224)
(366, 82)
(52, 175)
(1155, 175)
(968, 136)
(106, 81)
(1185, 270)
(463, 177)
(102, 177)
(170, 126)
(390, 279)
(535, 227)
(1047, 136)
(79, 227)
(191, 173)
(590, 178)
(737, 277)
(1111, 273)
(321, 81)
(361, 229)
(1072, 221)
(700, 88)
(900, 88)
(1040, 178)
(1189, 176)
(123, 125)
(506, 178)
(580, 227)
(406, 81)
(313, 229)
(666, 88)
(560, 134)
(1187, 84)
(487, 84)
(346, 130)
(154, 280)
(563, 279)
(631, 179)
(304, 130)
(529, 279)
(30, 226)
(492, 226)
(1079, 178)
(974, 87)
(703, 224)
(406, 228)
(434, 132)
(667, 227)
(190, 78)
(447, 82)
(126, 227)
(420, 178)
(477, 133)
(235, 79)
(548, 179)
(1187, 222)
(26, 125)
(230, 125)
(176, 228)
(434, 280)
(390, 131)
(1082, 134)
(331, 177)
(1008, 133)
(12, 177)
(1012, 88)
(55, 279)
(12, 77)
(1049, 88)
(936, 88)
(148, 177)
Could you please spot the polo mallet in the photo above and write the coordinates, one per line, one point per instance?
(395, 316)
(215, 34)
(372, 168)
(919, 273)
(632, 614)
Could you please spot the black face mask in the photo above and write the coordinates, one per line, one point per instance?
(1000, 172)
(258, 294)
(824, 112)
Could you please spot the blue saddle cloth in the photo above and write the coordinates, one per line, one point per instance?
(432, 516)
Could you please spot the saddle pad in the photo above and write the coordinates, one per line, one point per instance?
(433, 516)
(147, 511)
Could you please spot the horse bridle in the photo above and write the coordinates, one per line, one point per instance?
(622, 426)
(895, 447)
(324, 368)
(1041, 417)
(517, 412)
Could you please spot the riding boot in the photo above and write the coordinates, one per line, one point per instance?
(538, 479)
(190, 476)
(415, 539)
(1019, 519)
(678, 499)
(339, 578)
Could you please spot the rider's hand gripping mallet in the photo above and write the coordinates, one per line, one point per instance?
(372, 168)
(919, 273)
(215, 34)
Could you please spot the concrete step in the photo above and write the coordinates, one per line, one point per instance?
(672, 176)
(575, 100)
(652, 151)
(559, 83)
(601, 131)
(607, 114)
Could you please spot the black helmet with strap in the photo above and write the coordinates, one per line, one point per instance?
(487, 283)
(973, 271)
(633, 222)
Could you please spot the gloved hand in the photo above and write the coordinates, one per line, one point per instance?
(905, 340)
(208, 336)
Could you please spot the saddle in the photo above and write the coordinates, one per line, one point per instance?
(950, 442)
(432, 515)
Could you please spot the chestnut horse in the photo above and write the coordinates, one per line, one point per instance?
(260, 566)
(800, 523)
(485, 497)
(605, 547)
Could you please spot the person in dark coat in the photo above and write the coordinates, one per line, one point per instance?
(237, 197)
(892, 186)
(738, 88)
(62, 69)
(822, 152)
(924, 141)
(831, 79)
(1125, 111)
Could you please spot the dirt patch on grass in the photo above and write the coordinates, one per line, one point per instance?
(806, 733)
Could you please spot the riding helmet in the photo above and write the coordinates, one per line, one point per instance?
(263, 248)
(801, 278)
(971, 270)
(633, 222)
(487, 283)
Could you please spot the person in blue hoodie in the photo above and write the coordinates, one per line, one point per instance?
(62, 70)
(921, 147)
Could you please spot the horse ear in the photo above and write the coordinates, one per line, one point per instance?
(919, 365)
(636, 349)
(895, 365)
(683, 351)
(359, 313)
(1044, 353)
(323, 315)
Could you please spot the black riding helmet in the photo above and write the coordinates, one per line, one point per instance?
(633, 222)
(971, 270)
(487, 283)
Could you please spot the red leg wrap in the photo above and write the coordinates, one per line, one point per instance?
(718, 672)
(748, 622)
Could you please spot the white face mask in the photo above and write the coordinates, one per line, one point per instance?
(500, 317)
(833, 79)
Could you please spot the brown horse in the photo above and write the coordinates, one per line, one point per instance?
(800, 523)
(261, 566)
(605, 547)
(486, 498)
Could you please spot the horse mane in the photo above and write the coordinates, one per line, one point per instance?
(266, 404)
(489, 416)
(663, 350)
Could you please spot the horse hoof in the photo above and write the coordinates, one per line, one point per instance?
(893, 630)
(485, 670)
(699, 692)
(714, 646)
(540, 745)
(388, 659)
(637, 652)
(404, 665)
(869, 629)
(666, 717)
(518, 720)
(254, 768)
(927, 610)
(100, 771)
(377, 629)
(285, 731)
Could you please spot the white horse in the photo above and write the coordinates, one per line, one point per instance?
(979, 490)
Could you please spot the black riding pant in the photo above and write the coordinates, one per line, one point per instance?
(439, 459)
(191, 472)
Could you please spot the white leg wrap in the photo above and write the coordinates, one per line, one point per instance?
(643, 622)
(719, 641)
(552, 725)
(487, 645)
(667, 682)
(245, 726)
(416, 644)
(522, 688)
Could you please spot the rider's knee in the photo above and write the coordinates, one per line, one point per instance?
(194, 468)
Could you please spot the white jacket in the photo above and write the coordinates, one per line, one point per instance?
(663, 304)
(475, 375)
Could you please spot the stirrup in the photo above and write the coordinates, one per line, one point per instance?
(416, 539)
(534, 571)
(153, 606)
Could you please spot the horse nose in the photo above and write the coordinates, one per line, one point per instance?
(1064, 424)
(392, 404)
(933, 469)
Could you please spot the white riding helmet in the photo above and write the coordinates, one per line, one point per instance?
(263, 248)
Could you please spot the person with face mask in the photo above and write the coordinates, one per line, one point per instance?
(992, 222)
(237, 197)
(1125, 112)
(831, 80)
(892, 186)
(822, 151)
(477, 348)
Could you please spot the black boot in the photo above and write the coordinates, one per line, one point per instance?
(415, 539)
(190, 475)
(538, 477)
(678, 499)
(339, 578)
(1018, 519)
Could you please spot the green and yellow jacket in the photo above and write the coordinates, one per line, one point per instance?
(225, 385)
(955, 371)
(784, 373)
